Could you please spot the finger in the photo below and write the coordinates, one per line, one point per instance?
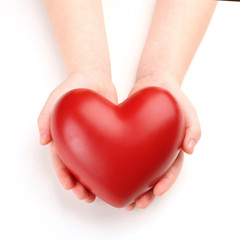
(192, 127)
(64, 176)
(80, 191)
(131, 206)
(170, 177)
(91, 197)
(145, 200)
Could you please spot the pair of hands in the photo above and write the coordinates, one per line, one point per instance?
(107, 89)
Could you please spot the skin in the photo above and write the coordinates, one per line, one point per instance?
(175, 33)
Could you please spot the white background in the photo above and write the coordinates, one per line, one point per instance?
(204, 202)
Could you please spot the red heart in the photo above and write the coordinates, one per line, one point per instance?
(118, 152)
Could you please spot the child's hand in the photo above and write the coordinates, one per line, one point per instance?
(171, 43)
(192, 135)
(103, 87)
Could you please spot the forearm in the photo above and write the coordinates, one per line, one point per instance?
(176, 31)
(79, 29)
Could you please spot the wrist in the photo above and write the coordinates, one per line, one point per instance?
(158, 77)
(91, 74)
(97, 81)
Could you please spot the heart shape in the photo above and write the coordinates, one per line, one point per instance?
(118, 152)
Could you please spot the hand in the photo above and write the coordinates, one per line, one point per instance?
(192, 135)
(104, 88)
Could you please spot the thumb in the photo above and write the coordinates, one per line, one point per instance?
(192, 127)
(44, 120)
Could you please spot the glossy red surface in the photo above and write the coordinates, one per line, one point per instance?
(118, 151)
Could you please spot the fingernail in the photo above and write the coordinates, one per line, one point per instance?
(191, 145)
